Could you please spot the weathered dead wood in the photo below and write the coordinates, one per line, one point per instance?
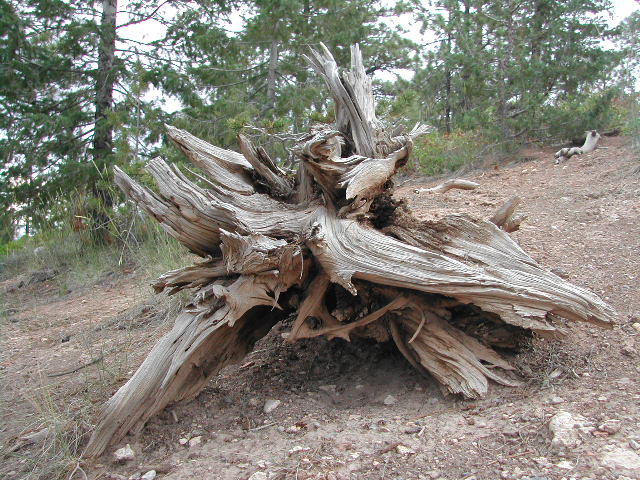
(218, 328)
(226, 168)
(274, 178)
(506, 218)
(590, 144)
(192, 276)
(331, 246)
(470, 260)
(177, 368)
(449, 185)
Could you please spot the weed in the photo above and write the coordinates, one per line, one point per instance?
(438, 153)
(59, 434)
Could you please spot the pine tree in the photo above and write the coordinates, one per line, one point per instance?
(499, 65)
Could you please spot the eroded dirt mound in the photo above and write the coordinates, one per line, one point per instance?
(332, 410)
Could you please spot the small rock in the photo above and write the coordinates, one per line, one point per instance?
(195, 441)
(556, 400)
(328, 388)
(258, 476)
(270, 405)
(254, 402)
(135, 476)
(150, 475)
(563, 425)
(389, 400)
(35, 437)
(634, 444)
(183, 441)
(602, 398)
(403, 450)
(565, 465)
(298, 449)
(620, 458)
(124, 454)
(636, 326)
(610, 426)
(297, 428)
(414, 429)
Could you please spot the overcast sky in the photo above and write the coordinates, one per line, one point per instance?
(149, 31)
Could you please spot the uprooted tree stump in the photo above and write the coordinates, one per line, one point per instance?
(329, 247)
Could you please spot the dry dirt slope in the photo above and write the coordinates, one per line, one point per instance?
(358, 411)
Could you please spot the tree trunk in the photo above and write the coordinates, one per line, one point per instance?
(332, 250)
(103, 135)
(272, 74)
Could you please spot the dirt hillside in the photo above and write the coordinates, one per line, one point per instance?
(357, 411)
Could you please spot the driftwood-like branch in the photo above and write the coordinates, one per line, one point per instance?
(450, 184)
(330, 246)
(590, 144)
(506, 218)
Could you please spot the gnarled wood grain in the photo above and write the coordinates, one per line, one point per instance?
(447, 292)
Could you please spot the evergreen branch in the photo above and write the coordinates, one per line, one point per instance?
(143, 18)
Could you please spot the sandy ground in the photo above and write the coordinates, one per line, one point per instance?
(359, 411)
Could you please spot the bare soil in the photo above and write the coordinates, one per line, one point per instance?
(359, 411)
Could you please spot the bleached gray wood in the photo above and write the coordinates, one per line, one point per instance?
(590, 144)
(295, 245)
(226, 168)
(449, 185)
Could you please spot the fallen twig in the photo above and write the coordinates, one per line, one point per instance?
(77, 369)
(261, 427)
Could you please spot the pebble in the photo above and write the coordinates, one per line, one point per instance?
(620, 458)
(298, 449)
(565, 465)
(124, 454)
(414, 429)
(563, 425)
(150, 475)
(183, 441)
(403, 450)
(295, 428)
(556, 400)
(634, 444)
(270, 405)
(327, 388)
(636, 326)
(389, 400)
(195, 441)
(258, 476)
(610, 426)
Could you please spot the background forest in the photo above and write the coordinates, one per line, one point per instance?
(86, 85)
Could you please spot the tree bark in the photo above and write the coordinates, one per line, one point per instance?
(103, 134)
(330, 248)
(272, 75)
